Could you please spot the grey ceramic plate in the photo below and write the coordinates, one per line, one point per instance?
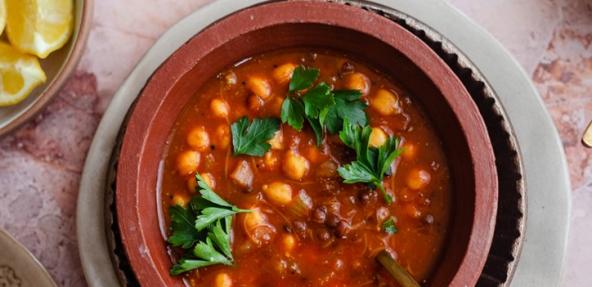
(544, 163)
(18, 267)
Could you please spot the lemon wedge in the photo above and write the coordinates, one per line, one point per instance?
(19, 75)
(39, 27)
(2, 15)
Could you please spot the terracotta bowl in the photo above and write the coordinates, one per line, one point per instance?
(380, 42)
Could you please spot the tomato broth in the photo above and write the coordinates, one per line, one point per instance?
(306, 226)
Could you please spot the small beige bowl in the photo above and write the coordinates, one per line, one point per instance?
(58, 66)
(18, 267)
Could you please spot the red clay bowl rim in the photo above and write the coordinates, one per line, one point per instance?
(141, 119)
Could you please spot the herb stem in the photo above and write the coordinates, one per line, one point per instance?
(399, 273)
(388, 198)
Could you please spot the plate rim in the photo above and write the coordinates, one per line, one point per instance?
(4, 235)
(466, 35)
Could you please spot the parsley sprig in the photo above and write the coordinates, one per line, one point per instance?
(302, 78)
(371, 164)
(323, 108)
(251, 138)
(202, 230)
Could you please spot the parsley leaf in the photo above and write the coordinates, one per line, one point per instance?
(186, 265)
(371, 164)
(209, 215)
(182, 221)
(293, 113)
(203, 230)
(210, 206)
(317, 129)
(347, 106)
(302, 78)
(251, 138)
(206, 255)
(348, 95)
(330, 119)
(317, 102)
(323, 108)
(208, 194)
(317, 99)
(220, 235)
(356, 172)
(389, 226)
(206, 251)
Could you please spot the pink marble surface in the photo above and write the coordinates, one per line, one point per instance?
(40, 164)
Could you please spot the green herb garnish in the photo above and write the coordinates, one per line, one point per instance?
(251, 138)
(219, 235)
(186, 265)
(302, 78)
(316, 101)
(322, 107)
(347, 106)
(202, 230)
(389, 226)
(182, 223)
(207, 252)
(293, 112)
(371, 164)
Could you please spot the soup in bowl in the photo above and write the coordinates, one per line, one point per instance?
(285, 146)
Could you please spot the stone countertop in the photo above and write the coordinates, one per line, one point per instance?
(41, 163)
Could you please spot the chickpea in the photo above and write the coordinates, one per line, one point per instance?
(223, 136)
(180, 200)
(358, 81)
(418, 179)
(255, 103)
(259, 86)
(220, 108)
(278, 192)
(313, 154)
(257, 227)
(270, 161)
(295, 166)
(254, 218)
(377, 138)
(277, 141)
(242, 175)
(188, 162)
(288, 243)
(223, 280)
(208, 179)
(283, 73)
(409, 151)
(386, 102)
(198, 138)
